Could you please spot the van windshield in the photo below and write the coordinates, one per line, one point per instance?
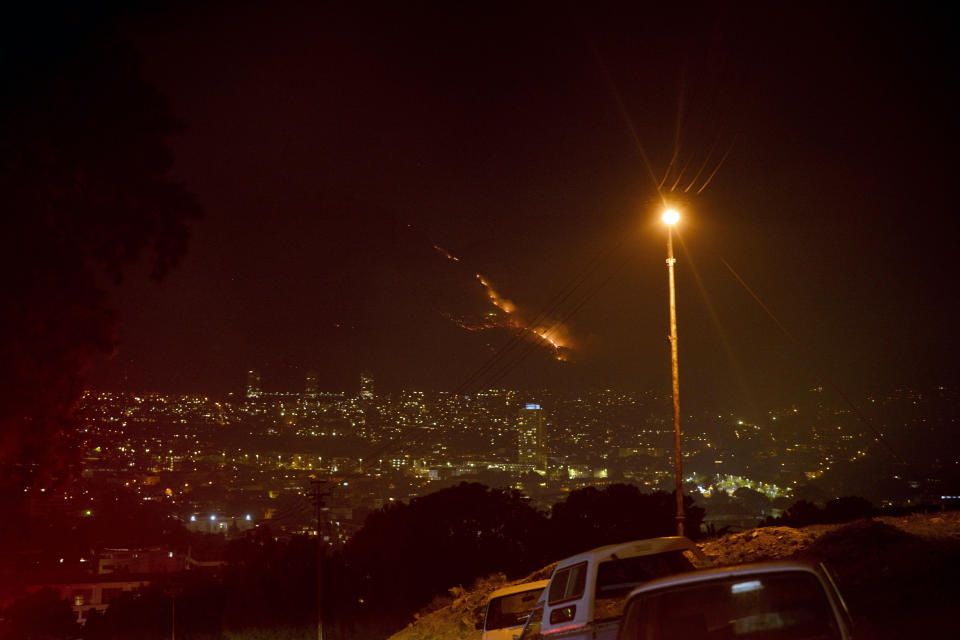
(788, 605)
(511, 610)
(617, 577)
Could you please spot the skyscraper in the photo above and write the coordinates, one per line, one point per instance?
(253, 384)
(531, 436)
(366, 386)
(311, 388)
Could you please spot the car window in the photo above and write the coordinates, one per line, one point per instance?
(568, 583)
(788, 605)
(618, 576)
(510, 610)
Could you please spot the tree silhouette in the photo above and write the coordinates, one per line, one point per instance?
(39, 616)
(593, 517)
(846, 509)
(838, 510)
(83, 160)
(406, 554)
(755, 502)
(802, 513)
(270, 583)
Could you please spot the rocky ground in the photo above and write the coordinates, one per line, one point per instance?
(899, 575)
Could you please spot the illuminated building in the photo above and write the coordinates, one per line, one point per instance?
(531, 437)
(310, 387)
(366, 386)
(253, 384)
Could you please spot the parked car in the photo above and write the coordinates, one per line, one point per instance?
(763, 601)
(586, 593)
(508, 608)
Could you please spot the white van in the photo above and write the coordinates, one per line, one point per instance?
(586, 594)
(508, 608)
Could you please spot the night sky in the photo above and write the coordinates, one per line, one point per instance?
(333, 146)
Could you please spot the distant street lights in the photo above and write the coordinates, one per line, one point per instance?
(670, 218)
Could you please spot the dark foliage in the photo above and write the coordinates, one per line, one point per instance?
(408, 553)
(82, 163)
(593, 517)
(404, 557)
(752, 500)
(150, 613)
(39, 616)
(270, 583)
(836, 511)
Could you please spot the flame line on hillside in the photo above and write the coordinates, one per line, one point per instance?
(446, 254)
(543, 331)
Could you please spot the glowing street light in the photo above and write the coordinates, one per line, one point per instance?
(670, 218)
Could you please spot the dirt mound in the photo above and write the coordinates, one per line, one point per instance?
(455, 617)
(767, 543)
(898, 574)
(897, 583)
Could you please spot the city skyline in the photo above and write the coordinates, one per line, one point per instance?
(501, 437)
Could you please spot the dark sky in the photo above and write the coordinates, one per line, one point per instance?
(333, 144)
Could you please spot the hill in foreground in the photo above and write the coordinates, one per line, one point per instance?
(898, 574)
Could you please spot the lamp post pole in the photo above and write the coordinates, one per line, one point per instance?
(670, 217)
(318, 502)
(173, 590)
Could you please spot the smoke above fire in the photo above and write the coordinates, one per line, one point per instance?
(508, 315)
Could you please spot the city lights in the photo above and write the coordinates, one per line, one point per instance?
(568, 440)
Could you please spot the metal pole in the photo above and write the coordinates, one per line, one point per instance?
(173, 590)
(318, 501)
(675, 370)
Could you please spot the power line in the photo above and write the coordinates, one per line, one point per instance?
(813, 364)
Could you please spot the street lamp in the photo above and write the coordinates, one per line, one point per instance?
(670, 218)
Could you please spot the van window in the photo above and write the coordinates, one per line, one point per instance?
(568, 583)
(511, 610)
(789, 605)
(617, 577)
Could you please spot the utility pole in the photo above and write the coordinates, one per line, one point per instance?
(318, 496)
(173, 590)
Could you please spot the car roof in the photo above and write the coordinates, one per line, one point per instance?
(518, 588)
(716, 573)
(645, 547)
